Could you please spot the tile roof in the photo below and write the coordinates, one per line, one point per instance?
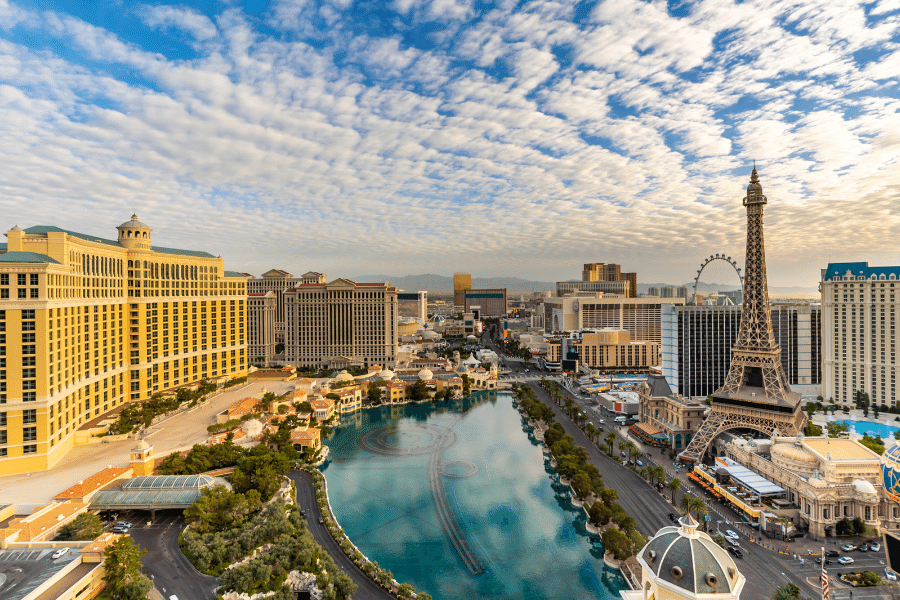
(92, 483)
(3, 247)
(26, 257)
(182, 252)
(237, 274)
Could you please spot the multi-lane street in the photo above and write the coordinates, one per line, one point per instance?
(172, 573)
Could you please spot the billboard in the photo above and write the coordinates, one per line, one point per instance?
(569, 365)
(892, 550)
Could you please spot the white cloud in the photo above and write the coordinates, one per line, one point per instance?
(188, 20)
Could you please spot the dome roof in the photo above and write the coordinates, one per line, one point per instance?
(426, 375)
(864, 487)
(688, 559)
(344, 376)
(792, 452)
(142, 445)
(462, 369)
(386, 374)
(430, 334)
(133, 223)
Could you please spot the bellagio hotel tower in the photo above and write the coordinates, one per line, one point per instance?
(87, 324)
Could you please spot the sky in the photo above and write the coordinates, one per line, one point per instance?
(497, 138)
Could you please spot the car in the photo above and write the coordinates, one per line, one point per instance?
(832, 553)
(730, 533)
(735, 552)
(640, 463)
(124, 524)
(673, 517)
(845, 560)
(59, 553)
(732, 542)
(827, 562)
(321, 521)
(601, 421)
(863, 548)
(890, 574)
(119, 529)
(848, 547)
(302, 513)
(875, 547)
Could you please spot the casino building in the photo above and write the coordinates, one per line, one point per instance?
(87, 324)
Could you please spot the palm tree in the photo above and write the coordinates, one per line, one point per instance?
(692, 503)
(610, 439)
(673, 487)
(785, 523)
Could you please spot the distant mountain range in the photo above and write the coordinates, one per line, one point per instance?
(444, 284)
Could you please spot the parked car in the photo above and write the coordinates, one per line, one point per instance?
(827, 562)
(863, 548)
(730, 533)
(119, 529)
(673, 517)
(848, 547)
(735, 552)
(845, 560)
(640, 463)
(890, 574)
(59, 553)
(832, 553)
(875, 547)
(124, 524)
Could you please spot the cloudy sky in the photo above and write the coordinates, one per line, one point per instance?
(497, 138)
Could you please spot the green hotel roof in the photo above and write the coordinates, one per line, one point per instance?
(3, 247)
(26, 257)
(45, 229)
(235, 274)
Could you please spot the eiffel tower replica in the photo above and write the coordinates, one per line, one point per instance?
(756, 394)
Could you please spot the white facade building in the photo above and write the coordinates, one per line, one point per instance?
(859, 306)
(341, 324)
(277, 281)
(261, 328)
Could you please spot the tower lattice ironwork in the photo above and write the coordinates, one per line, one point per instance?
(756, 394)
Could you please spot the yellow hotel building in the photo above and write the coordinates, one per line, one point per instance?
(87, 324)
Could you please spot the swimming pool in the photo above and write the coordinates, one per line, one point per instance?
(872, 429)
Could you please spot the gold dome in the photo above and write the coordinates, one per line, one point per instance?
(792, 452)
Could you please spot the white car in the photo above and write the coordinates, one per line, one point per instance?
(845, 560)
(731, 534)
(890, 574)
(59, 553)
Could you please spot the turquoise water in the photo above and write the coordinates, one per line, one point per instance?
(872, 429)
(458, 501)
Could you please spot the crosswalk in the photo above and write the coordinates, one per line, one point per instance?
(24, 555)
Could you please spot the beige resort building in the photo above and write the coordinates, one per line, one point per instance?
(88, 323)
(826, 480)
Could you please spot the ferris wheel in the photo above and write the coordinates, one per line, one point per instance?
(718, 259)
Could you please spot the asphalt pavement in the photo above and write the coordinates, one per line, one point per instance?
(306, 499)
(170, 570)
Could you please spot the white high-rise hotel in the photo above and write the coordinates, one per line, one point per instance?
(859, 312)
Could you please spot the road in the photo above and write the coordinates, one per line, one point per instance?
(306, 499)
(164, 563)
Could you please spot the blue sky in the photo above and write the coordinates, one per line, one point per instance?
(498, 138)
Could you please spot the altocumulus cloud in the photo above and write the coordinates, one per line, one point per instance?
(408, 136)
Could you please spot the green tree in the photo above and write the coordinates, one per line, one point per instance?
(261, 469)
(810, 409)
(85, 526)
(374, 393)
(616, 543)
(875, 444)
(812, 430)
(610, 440)
(467, 385)
(219, 508)
(417, 391)
(789, 591)
(836, 429)
(673, 487)
(123, 570)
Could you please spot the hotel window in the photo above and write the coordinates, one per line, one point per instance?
(29, 434)
(21, 278)
(29, 449)
(34, 279)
